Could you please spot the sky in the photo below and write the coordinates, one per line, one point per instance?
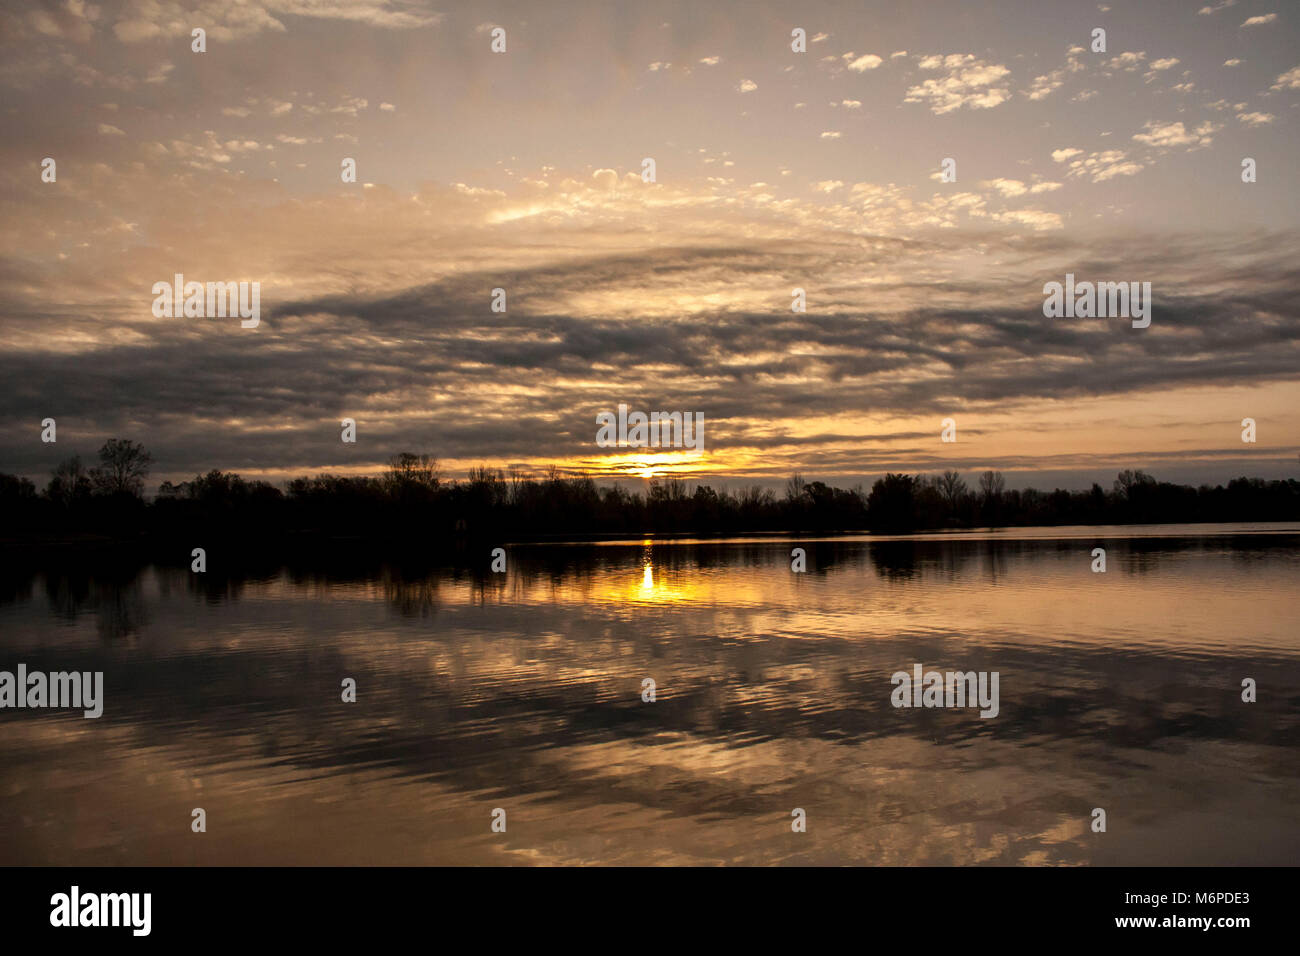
(773, 170)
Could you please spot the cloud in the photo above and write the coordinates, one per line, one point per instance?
(1260, 21)
(1167, 135)
(106, 129)
(968, 82)
(1037, 219)
(351, 105)
(1233, 62)
(425, 366)
(746, 86)
(711, 60)
(1290, 80)
(144, 20)
(1103, 165)
(1043, 86)
(72, 20)
(1007, 187)
(589, 253)
(1256, 119)
(868, 61)
(616, 288)
(1128, 62)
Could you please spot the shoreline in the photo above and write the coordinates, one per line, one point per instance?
(282, 545)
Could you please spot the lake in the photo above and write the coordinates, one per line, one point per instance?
(523, 692)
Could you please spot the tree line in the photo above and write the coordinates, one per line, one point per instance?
(413, 499)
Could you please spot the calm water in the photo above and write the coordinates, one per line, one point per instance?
(523, 691)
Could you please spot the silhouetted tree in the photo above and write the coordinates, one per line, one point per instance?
(992, 488)
(69, 482)
(123, 466)
(891, 504)
(992, 485)
(1127, 480)
(794, 487)
(952, 487)
(411, 502)
(408, 468)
